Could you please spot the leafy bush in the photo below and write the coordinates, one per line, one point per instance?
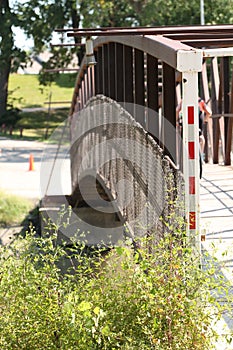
(11, 117)
(126, 299)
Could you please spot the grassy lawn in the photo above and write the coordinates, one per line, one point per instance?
(13, 209)
(25, 91)
(37, 124)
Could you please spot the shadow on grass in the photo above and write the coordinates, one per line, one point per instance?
(42, 119)
(66, 80)
(16, 136)
(29, 106)
(36, 125)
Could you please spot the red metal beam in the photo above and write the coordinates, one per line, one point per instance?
(158, 30)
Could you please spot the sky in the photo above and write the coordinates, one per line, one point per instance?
(21, 40)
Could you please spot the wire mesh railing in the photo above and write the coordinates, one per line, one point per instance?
(145, 185)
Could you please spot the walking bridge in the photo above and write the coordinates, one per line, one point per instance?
(130, 167)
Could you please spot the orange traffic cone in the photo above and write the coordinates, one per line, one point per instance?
(31, 163)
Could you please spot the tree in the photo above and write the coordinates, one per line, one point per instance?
(10, 56)
(39, 19)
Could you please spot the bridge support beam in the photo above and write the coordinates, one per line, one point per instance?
(191, 164)
(190, 63)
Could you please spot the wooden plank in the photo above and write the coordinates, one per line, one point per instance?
(169, 110)
(106, 87)
(215, 96)
(128, 74)
(227, 122)
(229, 130)
(119, 78)
(152, 122)
(208, 128)
(111, 69)
(99, 71)
(139, 87)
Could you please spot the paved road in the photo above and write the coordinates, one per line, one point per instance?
(15, 176)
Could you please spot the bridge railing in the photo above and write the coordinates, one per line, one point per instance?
(140, 68)
(145, 185)
(134, 71)
(217, 90)
(142, 71)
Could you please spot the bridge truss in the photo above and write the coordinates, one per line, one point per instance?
(154, 68)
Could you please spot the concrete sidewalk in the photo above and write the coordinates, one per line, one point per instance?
(216, 206)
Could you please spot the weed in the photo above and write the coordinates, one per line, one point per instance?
(127, 299)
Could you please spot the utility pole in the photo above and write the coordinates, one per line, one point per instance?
(202, 14)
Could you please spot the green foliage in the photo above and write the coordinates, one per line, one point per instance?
(38, 19)
(218, 11)
(109, 13)
(60, 58)
(155, 13)
(170, 13)
(125, 300)
(13, 209)
(11, 117)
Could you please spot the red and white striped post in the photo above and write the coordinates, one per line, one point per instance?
(190, 63)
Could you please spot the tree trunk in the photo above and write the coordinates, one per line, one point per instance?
(75, 19)
(4, 77)
(6, 47)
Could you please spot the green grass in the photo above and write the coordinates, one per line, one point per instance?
(25, 91)
(42, 119)
(13, 209)
(37, 124)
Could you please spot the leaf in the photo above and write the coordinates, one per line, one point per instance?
(119, 250)
(84, 306)
(96, 310)
(105, 331)
(73, 318)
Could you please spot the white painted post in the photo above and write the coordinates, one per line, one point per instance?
(191, 153)
(190, 63)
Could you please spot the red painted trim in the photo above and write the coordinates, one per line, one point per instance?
(192, 189)
(191, 147)
(192, 220)
(190, 114)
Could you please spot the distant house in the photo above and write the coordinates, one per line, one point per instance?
(35, 65)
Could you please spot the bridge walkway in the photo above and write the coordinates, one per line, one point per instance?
(216, 224)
